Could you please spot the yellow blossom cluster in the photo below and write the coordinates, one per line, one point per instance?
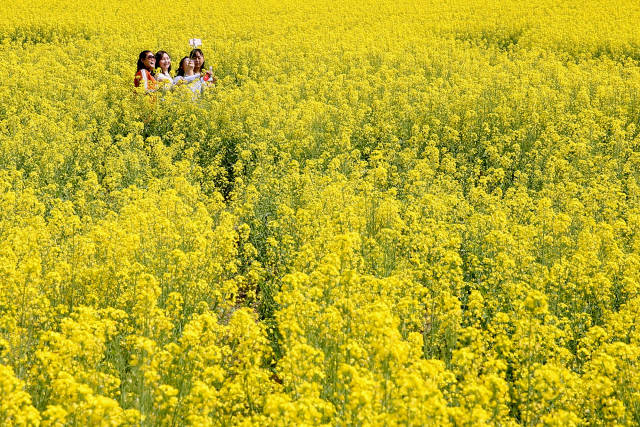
(408, 212)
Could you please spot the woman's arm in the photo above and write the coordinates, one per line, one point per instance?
(189, 79)
(137, 79)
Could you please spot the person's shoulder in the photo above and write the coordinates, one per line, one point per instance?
(142, 73)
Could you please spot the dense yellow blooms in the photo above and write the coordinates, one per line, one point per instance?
(406, 212)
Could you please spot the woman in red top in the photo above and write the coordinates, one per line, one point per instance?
(145, 72)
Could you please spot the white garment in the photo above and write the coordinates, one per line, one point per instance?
(164, 81)
(162, 77)
(193, 82)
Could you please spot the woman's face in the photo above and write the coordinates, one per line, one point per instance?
(165, 62)
(188, 65)
(149, 61)
(198, 60)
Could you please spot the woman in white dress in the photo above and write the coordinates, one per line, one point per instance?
(186, 75)
(163, 61)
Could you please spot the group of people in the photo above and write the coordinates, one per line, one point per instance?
(154, 72)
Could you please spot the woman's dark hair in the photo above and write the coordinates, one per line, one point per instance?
(159, 55)
(142, 57)
(181, 66)
(192, 55)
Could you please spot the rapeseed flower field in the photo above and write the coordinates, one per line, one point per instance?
(406, 212)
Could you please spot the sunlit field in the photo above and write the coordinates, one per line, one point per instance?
(383, 213)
